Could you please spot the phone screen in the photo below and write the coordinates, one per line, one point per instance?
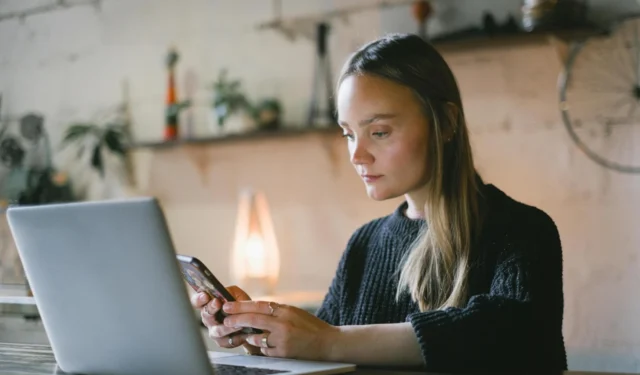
(201, 279)
(198, 276)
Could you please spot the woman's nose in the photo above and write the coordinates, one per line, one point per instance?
(359, 153)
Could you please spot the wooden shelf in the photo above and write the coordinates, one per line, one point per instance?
(469, 39)
(476, 38)
(285, 132)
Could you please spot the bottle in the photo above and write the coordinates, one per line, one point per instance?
(171, 114)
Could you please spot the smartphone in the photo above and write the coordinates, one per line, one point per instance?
(198, 276)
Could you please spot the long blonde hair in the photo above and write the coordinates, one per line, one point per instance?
(435, 270)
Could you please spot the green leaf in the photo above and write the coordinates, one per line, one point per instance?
(76, 132)
(234, 86)
(96, 159)
(113, 142)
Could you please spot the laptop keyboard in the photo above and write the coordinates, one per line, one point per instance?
(219, 369)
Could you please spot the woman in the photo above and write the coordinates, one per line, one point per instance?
(459, 278)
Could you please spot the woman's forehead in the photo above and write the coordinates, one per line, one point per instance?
(369, 95)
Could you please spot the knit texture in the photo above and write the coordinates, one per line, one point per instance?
(513, 318)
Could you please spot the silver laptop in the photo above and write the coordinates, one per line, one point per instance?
(110, 293)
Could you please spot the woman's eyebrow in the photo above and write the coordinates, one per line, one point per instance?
(372, 119)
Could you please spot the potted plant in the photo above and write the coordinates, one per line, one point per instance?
(268, 114)
(103, 147)
(29, 176)
(232, 110)
(96, 140)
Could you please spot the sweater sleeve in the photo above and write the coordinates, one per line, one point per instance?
(329, 311)
(332, 304)
(516, 325)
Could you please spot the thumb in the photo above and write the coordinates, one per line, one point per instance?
(238, 294)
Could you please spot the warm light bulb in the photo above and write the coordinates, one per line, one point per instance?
(255, 260)
(256, 256)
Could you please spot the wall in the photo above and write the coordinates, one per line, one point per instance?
(457, 14)
(85, 55)
(71, 63)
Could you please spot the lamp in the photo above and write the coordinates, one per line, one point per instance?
(255, 259)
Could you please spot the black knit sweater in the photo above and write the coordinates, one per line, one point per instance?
(513, 318)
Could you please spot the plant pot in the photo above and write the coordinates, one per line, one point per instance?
(236, 122)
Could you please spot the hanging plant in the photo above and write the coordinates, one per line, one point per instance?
(97, 139)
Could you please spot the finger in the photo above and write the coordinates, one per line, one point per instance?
(250, 349)
(219, 331)
(256, 307)
(213, 306)
(208, 320)
(199, 299)
(260, 321)
(269, 352)
(209, 315)
(238, 294)
(256, 340)
(231, 342)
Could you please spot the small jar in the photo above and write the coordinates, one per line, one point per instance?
(540, 15)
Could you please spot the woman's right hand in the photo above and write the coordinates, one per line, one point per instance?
(217, 331)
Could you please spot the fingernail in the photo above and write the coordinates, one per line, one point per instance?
(227, 322)
(227, 306)
(202, 297)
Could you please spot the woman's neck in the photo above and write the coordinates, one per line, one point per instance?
(416, 204)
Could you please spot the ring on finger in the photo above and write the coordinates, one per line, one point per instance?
(264, 341)
(230, 341)
(273, 307)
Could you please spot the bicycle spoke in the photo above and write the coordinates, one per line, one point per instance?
(601, 98)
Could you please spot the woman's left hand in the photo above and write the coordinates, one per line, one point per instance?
(290, 332)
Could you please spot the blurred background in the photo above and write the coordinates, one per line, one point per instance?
(219, 108)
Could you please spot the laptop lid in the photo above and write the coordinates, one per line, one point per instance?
(108, 288)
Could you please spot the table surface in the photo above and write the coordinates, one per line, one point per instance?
(39, 360)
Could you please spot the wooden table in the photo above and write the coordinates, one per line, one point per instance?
(39, 360)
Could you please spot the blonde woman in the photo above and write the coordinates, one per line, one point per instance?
(459, 278)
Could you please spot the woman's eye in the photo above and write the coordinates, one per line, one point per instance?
(346, 135)
(380, 134)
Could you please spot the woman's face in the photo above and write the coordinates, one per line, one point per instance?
(386, 131)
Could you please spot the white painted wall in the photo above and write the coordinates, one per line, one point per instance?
(84, 56)
(70, 64)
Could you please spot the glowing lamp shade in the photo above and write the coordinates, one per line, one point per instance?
(255, 258)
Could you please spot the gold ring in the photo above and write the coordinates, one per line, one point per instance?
(263, 341)
(272, 308)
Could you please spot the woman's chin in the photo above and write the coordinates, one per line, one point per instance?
(377, 194)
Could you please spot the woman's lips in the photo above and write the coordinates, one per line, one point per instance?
(370, 178)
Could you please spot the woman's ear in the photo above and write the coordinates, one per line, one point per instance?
(453, 115)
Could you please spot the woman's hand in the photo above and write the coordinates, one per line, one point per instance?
(225, 337)
(290, 332)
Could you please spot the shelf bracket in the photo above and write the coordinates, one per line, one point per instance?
(199, 156)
